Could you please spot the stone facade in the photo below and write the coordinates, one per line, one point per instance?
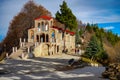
(49, 39)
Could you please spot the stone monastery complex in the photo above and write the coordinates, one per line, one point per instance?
(46, 39)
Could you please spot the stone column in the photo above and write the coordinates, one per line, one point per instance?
(20, 42)
(56, 37)
(13, 49)
(7, 55)
(24, 40)
(35, 44)
(28, 49)
(56, 49)
(22, 55)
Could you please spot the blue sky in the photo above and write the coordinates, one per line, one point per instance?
(104, 12)
(115, 27)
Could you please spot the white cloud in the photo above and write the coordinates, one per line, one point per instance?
(109, 27)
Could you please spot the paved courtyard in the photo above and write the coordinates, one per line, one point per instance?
(44, 68)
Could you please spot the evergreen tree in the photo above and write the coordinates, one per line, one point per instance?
(81, 32)
(93, 48)
(66, 17)
(77, 37)
(88, 27)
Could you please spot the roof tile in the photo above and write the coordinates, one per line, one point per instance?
(44, 17)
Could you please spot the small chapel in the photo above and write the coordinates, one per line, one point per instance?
(45, 39)
(49, 39)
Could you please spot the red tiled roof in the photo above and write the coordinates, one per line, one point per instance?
(57, 28)
(44, 17)
(70, 32)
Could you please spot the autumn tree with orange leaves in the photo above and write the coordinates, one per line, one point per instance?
(21, 23)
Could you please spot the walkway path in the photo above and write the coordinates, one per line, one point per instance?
(44, 69)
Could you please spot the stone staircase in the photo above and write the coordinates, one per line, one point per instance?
(23, 52)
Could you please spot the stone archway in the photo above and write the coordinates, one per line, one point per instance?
(47, 38)
(57, 48)
(42, 37)
(54, 49)
(37, 38)
(53, 36)
(32, 34)
(43, 26)
(46, 26)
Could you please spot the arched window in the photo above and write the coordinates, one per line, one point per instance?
(32, 34)
(47, 38)
(42, 38)
(63, 35)
(37, 38)
(38, 26)
(53, 35)
(46, 26)
(42, 26)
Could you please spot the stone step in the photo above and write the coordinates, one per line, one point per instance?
(22, 50)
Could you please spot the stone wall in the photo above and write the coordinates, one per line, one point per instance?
(112, 71)
(53, 45)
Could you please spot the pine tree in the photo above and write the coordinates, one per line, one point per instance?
(88, 27)
(93, 48)
(66, 17)
(77, 37)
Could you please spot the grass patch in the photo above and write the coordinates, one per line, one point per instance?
(2, 56)
(88, 60)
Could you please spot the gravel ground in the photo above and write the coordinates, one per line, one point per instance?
(44, 68)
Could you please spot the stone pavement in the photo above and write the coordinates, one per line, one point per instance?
(44, 68)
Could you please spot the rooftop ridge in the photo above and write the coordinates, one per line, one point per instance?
(44, 17)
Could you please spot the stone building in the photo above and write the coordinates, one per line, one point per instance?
(45, 39)
(49, 39)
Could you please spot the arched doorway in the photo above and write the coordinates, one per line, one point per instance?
(53, 35)
(54, 49)
(42, 38)
(46, 26)
(37, 38)
(57, 48)
(42, 26)
(32, 34)
(38, 26)
(47, 38)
